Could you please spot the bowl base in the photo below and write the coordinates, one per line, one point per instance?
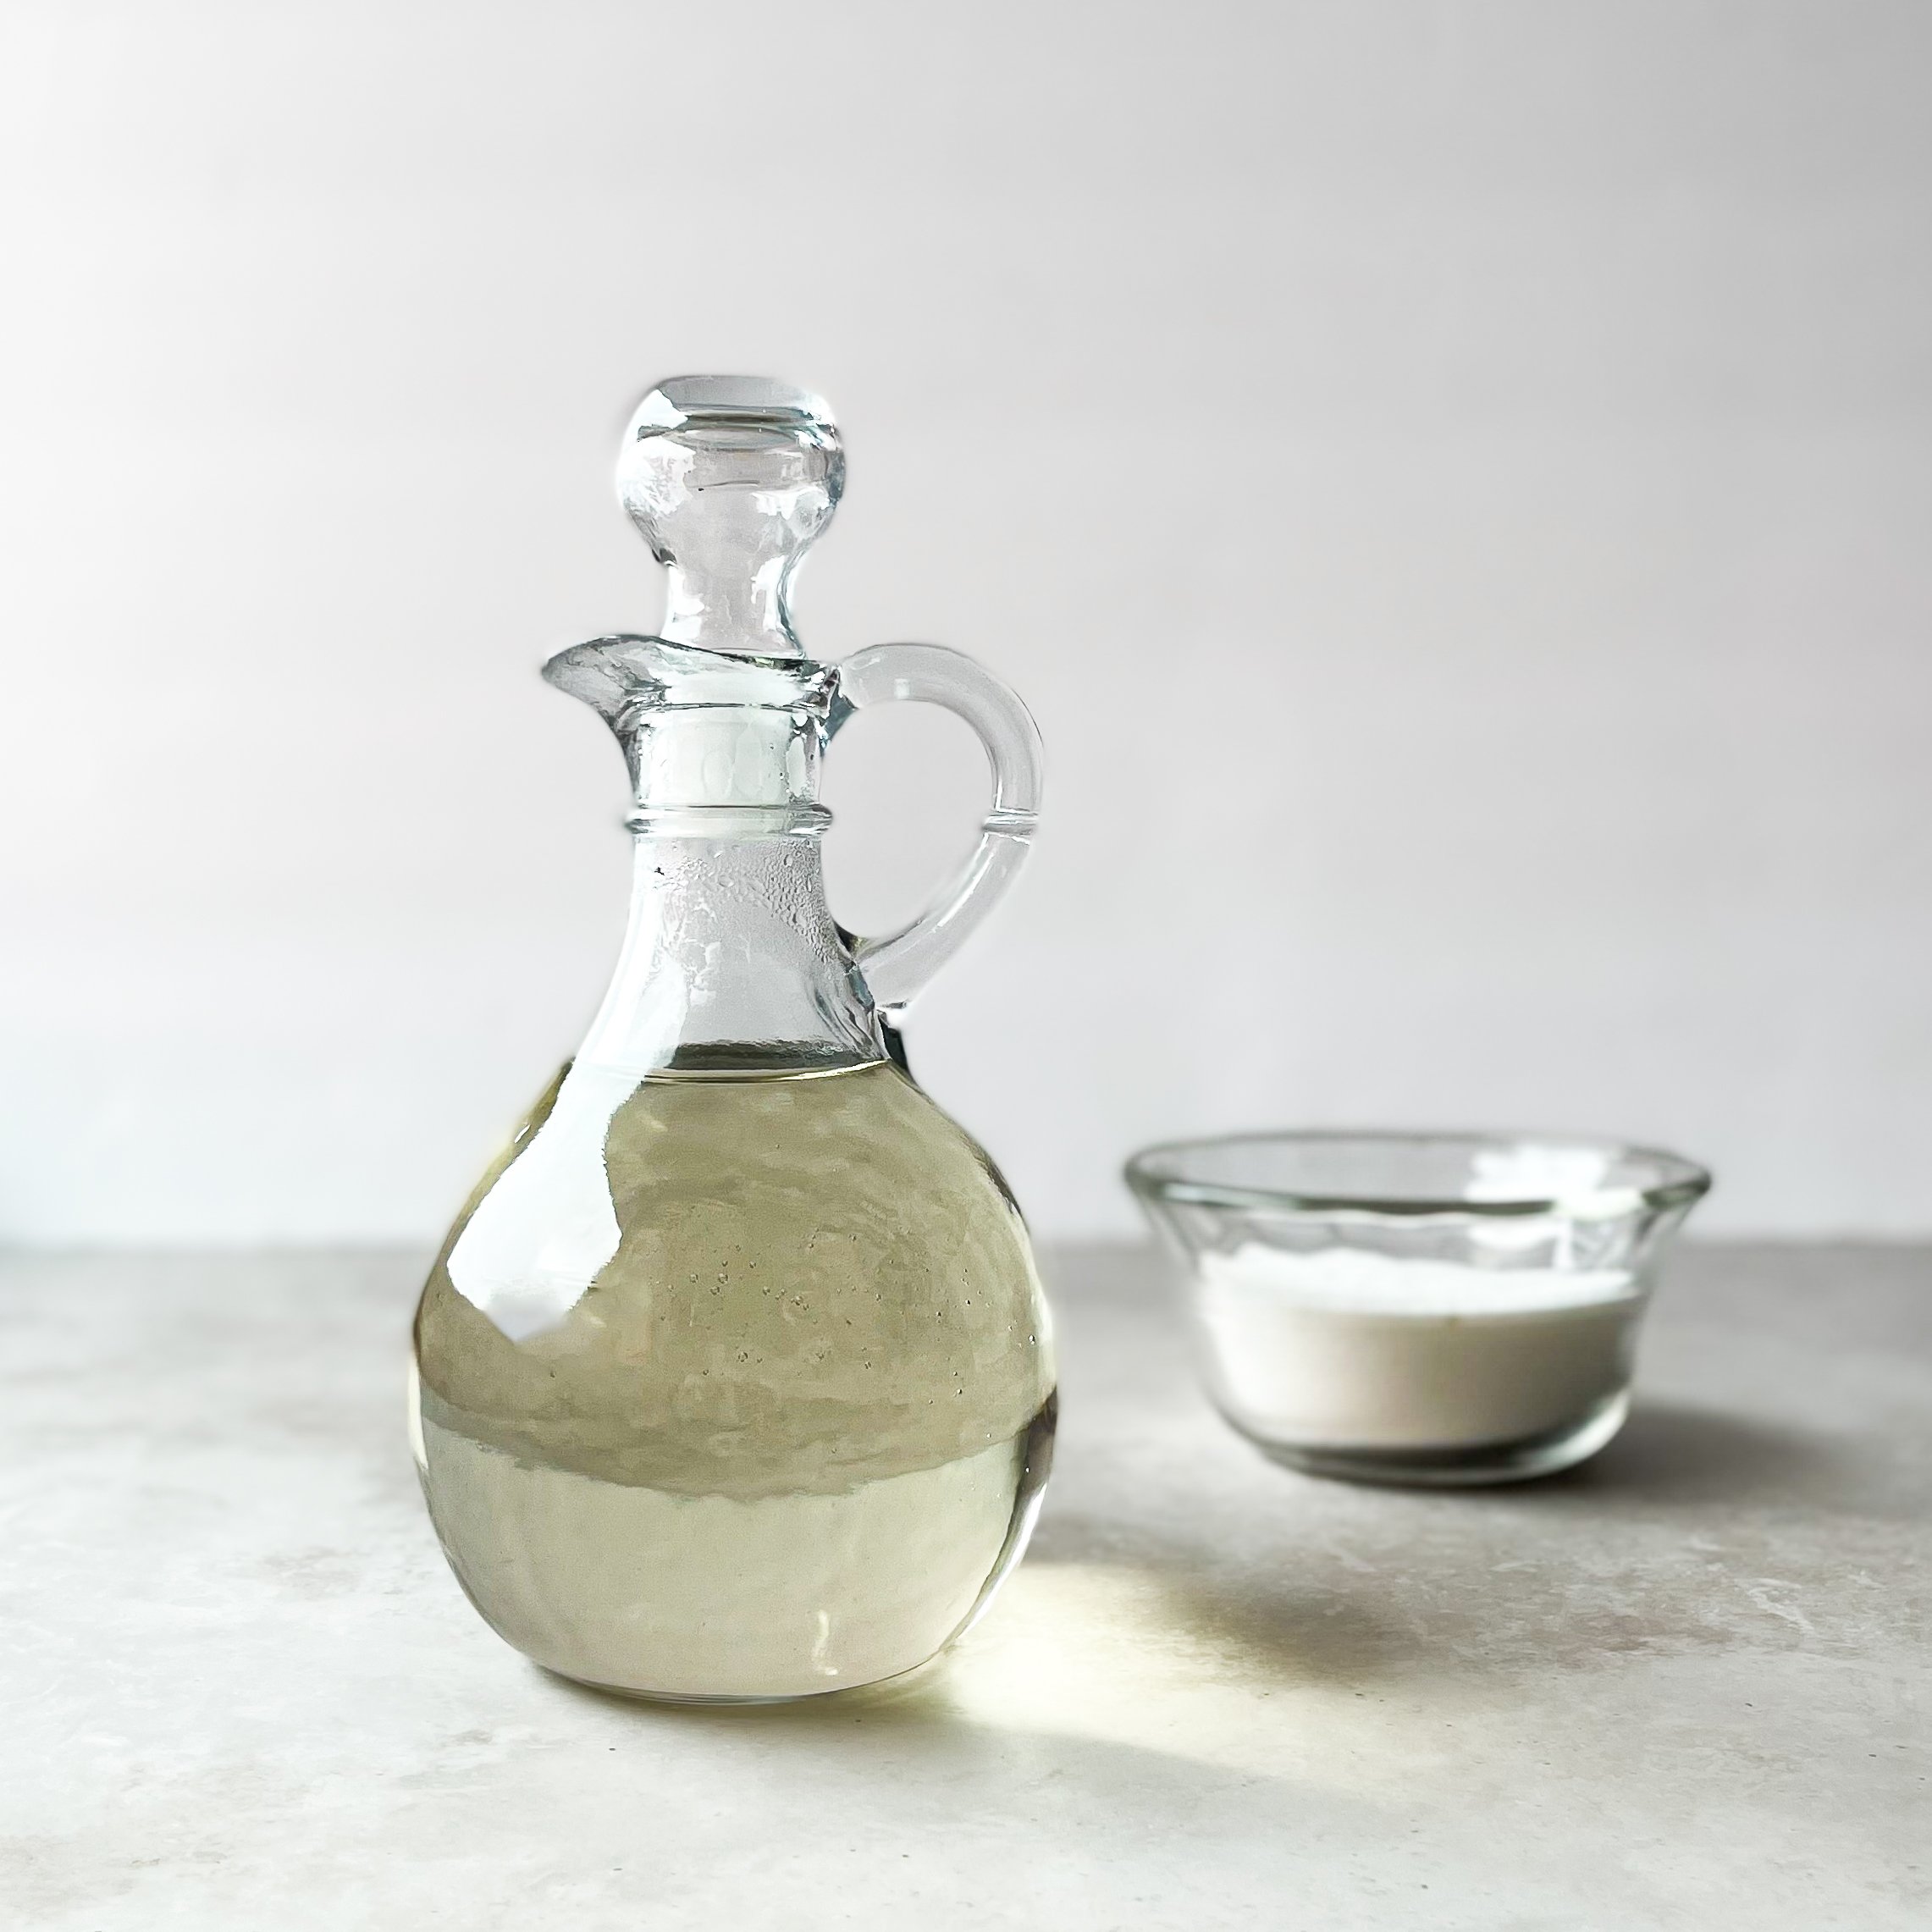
(1465, 1467)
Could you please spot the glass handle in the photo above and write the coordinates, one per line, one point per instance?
(897, 965)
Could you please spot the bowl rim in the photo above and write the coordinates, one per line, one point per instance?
(1682, 1182)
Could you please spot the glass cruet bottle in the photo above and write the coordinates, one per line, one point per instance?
(733, 1379)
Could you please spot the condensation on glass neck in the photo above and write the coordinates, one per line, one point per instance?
(731, 959)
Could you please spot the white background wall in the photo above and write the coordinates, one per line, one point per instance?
(1453, 480)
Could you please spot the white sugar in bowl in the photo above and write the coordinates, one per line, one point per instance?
(1439, 1309)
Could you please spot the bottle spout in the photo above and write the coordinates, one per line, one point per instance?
(730, 479)
(704, 730)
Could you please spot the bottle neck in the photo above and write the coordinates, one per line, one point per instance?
(731, 963)
(723, 607)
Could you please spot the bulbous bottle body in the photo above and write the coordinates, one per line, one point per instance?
(794, 1431)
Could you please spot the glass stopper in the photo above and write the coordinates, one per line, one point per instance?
(730, 479)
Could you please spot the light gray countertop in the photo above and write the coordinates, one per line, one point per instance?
(1685, 1686)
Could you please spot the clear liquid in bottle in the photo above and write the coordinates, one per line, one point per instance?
(795, 1432)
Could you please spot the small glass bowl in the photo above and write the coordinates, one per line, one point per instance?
(1441, 1309)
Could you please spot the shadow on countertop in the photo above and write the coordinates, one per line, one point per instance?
(1674, 1453)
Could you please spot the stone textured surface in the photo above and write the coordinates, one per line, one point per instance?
(1685, 1686)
